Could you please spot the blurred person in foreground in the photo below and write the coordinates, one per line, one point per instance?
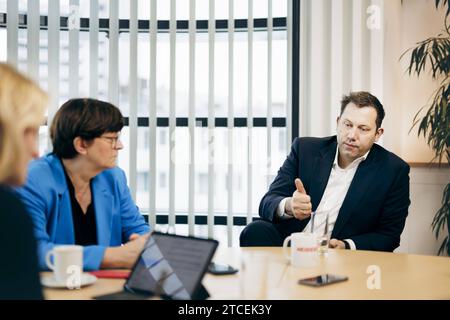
(22, 107)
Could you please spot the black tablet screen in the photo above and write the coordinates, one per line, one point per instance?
(172, 265)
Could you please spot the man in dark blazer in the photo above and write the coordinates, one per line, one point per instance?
(360, 186)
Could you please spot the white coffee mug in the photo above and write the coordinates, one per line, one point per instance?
(67, 261)
(303, 249)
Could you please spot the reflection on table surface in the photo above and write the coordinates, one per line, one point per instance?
(264, 273)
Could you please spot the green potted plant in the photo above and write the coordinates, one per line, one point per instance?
(433, 119)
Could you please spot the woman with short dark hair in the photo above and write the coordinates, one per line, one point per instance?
(77, 194)
(84, 118)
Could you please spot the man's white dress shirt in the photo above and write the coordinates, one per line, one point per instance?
(332, 199)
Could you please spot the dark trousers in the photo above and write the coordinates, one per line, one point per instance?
(262, 233)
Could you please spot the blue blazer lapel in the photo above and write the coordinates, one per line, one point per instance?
(320, 174)
(63, 222)
(365, 175)
(103, 204)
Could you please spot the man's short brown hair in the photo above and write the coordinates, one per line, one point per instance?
(364, 99)
(84, 118)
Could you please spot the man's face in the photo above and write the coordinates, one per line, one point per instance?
(356, 131)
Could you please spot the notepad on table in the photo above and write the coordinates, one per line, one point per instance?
(111, 274)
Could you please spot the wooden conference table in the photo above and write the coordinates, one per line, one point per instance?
(265, 274)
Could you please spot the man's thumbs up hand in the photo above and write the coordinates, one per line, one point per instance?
(299, 186)
(299, 205)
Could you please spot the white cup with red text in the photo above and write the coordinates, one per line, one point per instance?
(303, 250)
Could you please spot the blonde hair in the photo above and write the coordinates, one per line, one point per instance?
(22, 107)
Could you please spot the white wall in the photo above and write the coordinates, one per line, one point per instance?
(426, 186)
(405, 25)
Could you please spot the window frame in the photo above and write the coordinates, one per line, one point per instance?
(260, 24)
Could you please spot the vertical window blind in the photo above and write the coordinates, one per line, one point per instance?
(205, 87)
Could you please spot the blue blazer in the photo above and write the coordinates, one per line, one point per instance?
(375, 208)
(47, 199)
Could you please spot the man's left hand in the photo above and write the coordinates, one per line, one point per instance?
(337, 244)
